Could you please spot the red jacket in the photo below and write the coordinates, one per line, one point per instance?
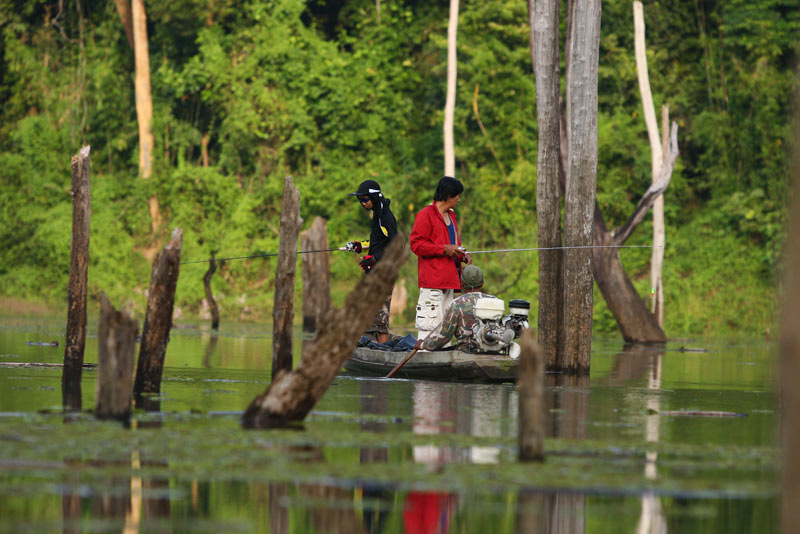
(428, 238)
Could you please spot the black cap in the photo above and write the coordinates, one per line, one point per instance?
(368, 187)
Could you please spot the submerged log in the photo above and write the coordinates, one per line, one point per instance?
(531, 399)
(78, 281)
(293, 394)
(316, 275)
(212, 304)
(158, 318)
(116, 346)
(283, 309)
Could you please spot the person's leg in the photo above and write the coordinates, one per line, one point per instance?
(379, 330)
(430, 309)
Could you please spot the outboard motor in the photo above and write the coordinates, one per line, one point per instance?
(517, 317)
(491, 334)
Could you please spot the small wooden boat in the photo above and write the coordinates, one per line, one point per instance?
(439, 365)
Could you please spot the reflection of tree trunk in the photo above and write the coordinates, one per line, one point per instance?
(567, 403)
(71, 502)
(278, 511)
(212, 344)
(144, 102)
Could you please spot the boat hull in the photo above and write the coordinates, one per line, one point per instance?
(450, 365)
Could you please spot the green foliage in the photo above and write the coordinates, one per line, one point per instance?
(247, 93)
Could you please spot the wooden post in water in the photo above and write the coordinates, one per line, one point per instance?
(158, 318)
(116, 346)
(283, 309)
(531, 399)
(212, 304)
(78, 281)
(316, 275)
(293, 394)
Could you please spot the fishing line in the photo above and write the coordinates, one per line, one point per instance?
(269, 254)
(559, 248)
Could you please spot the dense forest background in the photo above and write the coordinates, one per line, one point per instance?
(333, 92)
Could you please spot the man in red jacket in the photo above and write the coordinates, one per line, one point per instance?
(435, 241)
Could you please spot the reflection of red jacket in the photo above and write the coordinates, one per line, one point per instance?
(426, 513)
(428, 238)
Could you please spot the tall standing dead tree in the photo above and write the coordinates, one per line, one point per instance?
(292, 394)
(544, 38)
(116, 346)
(144, 102)
(158, 318)
(283, 309)
(579, 196)
(77, 290)
(450, 101)
(635, 321)
(212, 304)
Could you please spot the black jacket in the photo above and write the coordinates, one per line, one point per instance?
(384, 226)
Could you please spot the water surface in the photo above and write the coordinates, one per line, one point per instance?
(392, 456)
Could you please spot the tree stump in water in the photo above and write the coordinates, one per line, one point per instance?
(293, 394)
(116, 345)
(158, 318)
(212, 304)
(77, 290)
(283, 309)
(316, 275)
(531, 398)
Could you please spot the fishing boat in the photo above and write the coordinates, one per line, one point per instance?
(448, 365)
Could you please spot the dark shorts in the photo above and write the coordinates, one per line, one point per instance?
(381, 323)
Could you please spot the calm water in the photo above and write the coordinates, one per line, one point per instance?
(392, 456)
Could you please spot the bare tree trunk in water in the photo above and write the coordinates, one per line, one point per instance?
(292, 394)
(212, 304)
(579, 198)
(144, 102)
(316, 275)
(450, 103)
(78, 288)
(283, 308)
(789, 368)
(544, 36)
(635, 321)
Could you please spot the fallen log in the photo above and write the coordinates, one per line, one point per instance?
(292, 394)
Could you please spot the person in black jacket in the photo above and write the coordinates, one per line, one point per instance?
(383, 229)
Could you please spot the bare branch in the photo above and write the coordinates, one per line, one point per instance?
(622, 234)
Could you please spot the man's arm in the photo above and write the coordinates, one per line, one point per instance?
(421, 242)
(442, 333)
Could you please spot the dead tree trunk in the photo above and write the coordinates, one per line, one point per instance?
(292, 394)
(283, 309)
(124, 10)
(77, 290)
(144, 102)
(116, 345)
(531, 399)
(158, 318)
(212, 304)
(316, 275)
(579, 197)
(450, 101)
(635, 321)
(789, 366)
(544, 36)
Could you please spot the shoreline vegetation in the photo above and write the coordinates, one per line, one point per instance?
(244, 95)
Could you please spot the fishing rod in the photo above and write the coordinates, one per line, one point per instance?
(267, 255)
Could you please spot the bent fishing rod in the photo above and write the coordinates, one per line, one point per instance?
(344, 249)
